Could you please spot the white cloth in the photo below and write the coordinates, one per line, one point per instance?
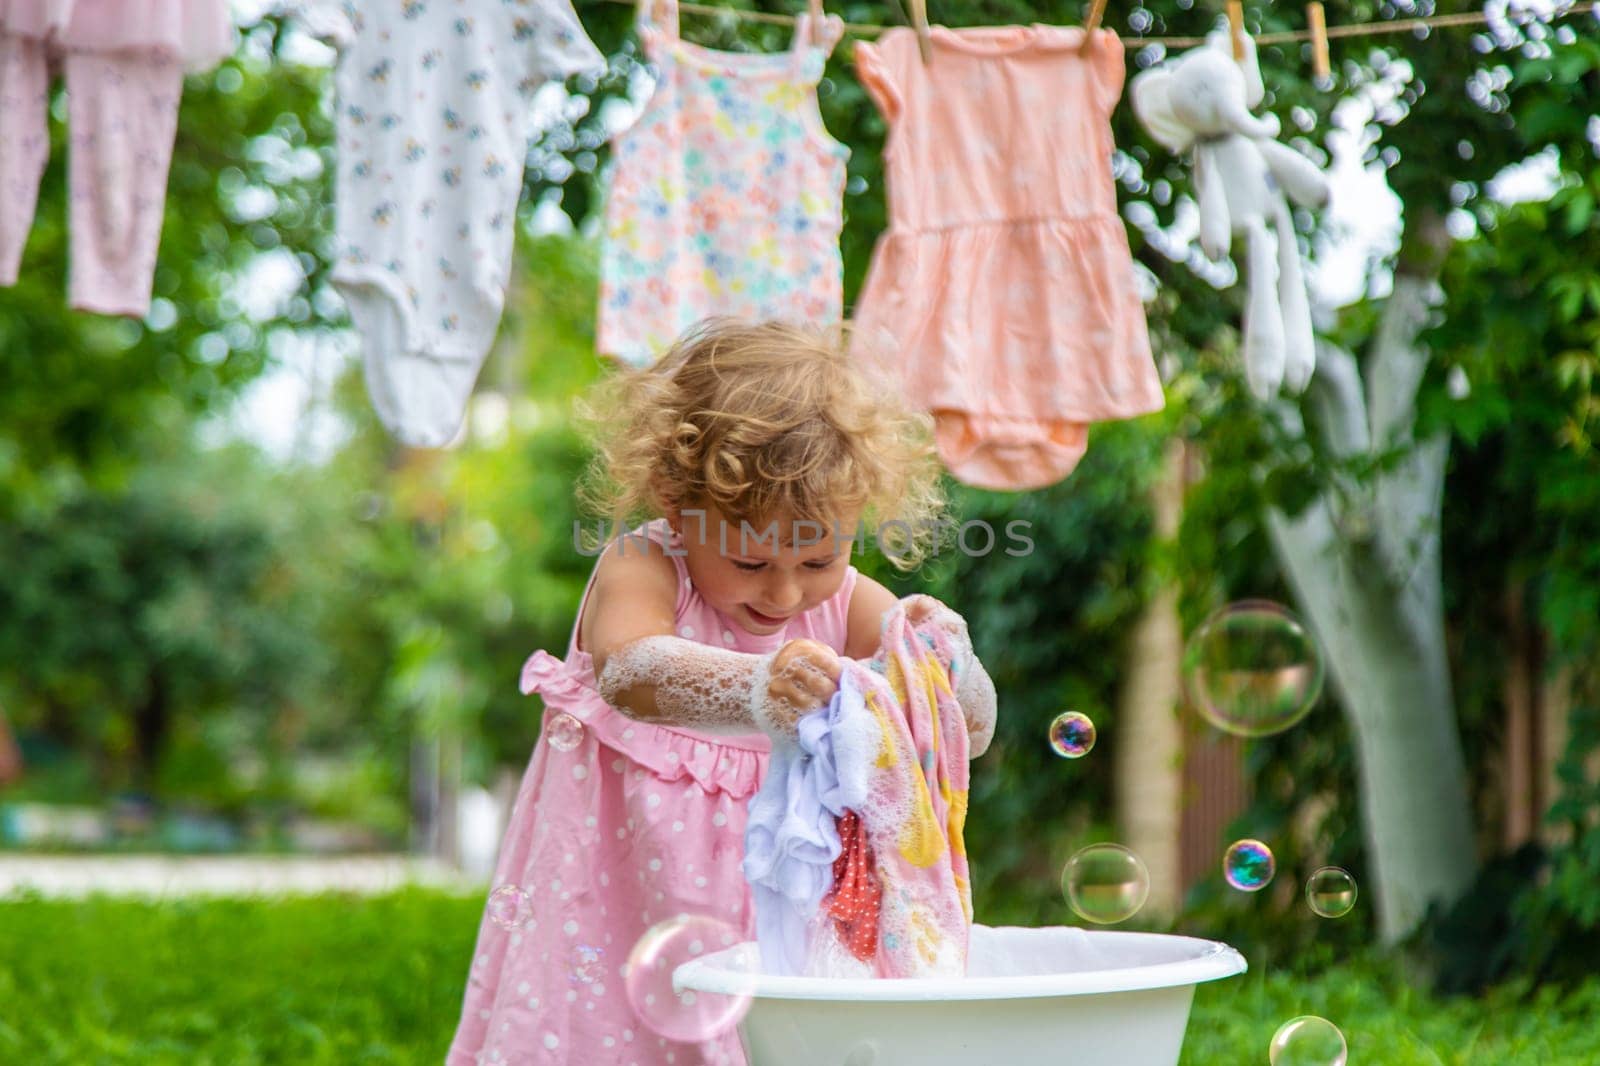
(792, 837)
(433, 121)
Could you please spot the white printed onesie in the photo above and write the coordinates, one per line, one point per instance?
(433, 121)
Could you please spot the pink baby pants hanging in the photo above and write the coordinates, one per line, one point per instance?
(123, 62)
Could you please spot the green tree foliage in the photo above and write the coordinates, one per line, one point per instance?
(1523, 329)
(81, 394)
(478, 565)
(146, 606)
(153, 585)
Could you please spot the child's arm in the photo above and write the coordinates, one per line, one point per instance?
(975, 691)
(869, 602)
(647, 672)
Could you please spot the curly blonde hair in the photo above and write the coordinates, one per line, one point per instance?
(765, 421)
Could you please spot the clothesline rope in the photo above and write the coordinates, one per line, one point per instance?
(1354, 29)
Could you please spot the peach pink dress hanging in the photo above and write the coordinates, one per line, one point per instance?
(1003, 289)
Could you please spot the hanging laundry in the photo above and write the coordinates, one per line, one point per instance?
(727, 198)
(123, 62)
(1003, 289)
(433, 122)
(854, 848)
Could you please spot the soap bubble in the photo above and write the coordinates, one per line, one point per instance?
(587, 968)
(1331, 892)
(508, 907)
(1252, 669)
(1248, 865)
(1072, 735)
(564, 732)
(688, 1016)
(1105, 883)
(1307, 1041)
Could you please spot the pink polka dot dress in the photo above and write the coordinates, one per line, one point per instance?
(618, 825)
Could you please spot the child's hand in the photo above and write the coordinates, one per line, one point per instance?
(803, 676)
(922, 608)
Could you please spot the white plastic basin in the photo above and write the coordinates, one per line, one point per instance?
(1060, 996)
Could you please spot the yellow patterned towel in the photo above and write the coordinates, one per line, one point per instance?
(916, 795)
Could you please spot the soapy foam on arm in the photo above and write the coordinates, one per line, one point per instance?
(694, 684)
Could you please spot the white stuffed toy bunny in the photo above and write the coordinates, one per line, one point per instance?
(1202, 100)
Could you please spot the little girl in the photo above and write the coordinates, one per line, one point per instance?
(700, 634)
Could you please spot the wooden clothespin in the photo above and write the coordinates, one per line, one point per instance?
(1236, 28)
(819, 19)
(919, 20)
(1321, 74)
(1097, 9)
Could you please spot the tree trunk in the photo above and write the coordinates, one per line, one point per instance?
(1363, 560)
(1149, 770)
(424, 788)
(10, 753)
(1522, 782)
(448, 840)
(1392, 678)
(150, 732)
(1556, 709)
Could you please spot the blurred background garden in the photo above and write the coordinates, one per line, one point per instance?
(236, 618)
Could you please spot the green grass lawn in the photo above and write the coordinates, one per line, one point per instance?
(345, 980)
